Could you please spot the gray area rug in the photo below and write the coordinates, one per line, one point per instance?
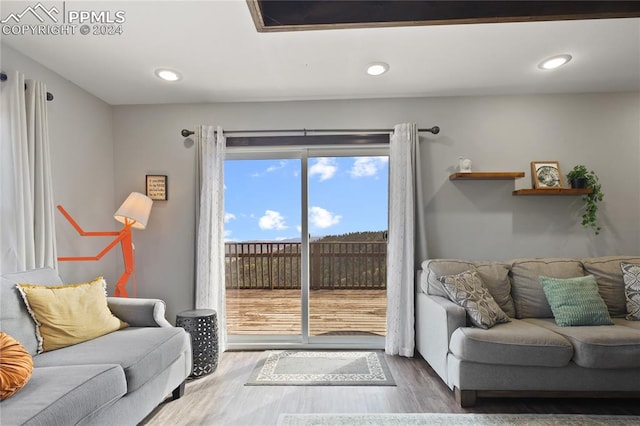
(322, 368)
(415, 419)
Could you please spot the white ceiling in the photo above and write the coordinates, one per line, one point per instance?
(223, 58)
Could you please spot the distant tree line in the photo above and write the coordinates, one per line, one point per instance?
(366, 236)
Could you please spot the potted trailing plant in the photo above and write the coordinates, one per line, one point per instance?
(580, 177)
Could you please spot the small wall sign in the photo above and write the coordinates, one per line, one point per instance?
(157, 187)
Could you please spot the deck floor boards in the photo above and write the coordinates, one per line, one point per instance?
(330, 312)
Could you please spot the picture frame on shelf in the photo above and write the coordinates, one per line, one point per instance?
(157, 187)
(546, 174)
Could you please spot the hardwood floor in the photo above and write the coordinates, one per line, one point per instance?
(222, 399)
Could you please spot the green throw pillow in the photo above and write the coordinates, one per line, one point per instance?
(575, 301)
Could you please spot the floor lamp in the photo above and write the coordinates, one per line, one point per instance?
(133, 213)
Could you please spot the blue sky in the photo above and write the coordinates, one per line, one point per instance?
(346, 194)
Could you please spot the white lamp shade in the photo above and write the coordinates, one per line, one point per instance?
(136, 209)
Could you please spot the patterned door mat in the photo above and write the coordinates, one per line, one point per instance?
(322, 368)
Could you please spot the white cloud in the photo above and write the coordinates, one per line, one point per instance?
(278, 166)
(367, 166)
(228, 217)
(272, 220)
(323, 218)
(281, 165)
(325, 167)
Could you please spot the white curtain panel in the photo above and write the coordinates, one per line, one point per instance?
(27, 215)
(210, 287)
(403, 158)
(40, 169)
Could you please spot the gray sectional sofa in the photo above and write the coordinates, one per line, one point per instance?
(530, 355)
(116, 379)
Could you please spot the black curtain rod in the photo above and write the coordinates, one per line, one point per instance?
(3, 77)
(435, 130)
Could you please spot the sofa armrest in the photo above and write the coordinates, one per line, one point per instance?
(436, 320)
(139, 312)
(445, 309)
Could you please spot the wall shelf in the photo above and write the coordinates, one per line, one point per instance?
(518, 175)
(487, 176)
(553, 191)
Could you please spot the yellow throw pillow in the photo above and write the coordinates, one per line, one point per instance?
(69, 314)
(16, 366)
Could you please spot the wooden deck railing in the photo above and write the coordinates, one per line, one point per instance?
(333, 265)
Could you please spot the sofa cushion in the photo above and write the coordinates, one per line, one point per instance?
(575, 301)
(513, 343)
(606, 346)
(69, 314)
(528, 297)
(627, 323)
(494, 275)
(436, 268)
(14, 317)
(16, 366)
(64, 395)
(608, 273)
(467, 290)
(631, 276)
(142, 352)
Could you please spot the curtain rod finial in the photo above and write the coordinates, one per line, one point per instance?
(186, 133)
(435, 130)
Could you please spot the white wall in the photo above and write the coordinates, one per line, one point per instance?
(474, 220)
(80, 128)
(482, 219)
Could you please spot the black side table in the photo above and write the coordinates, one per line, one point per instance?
(202, 325)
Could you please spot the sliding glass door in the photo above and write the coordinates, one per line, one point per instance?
(306, 247)
(347, 222)
(263, 267)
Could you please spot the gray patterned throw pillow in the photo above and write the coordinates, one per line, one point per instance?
(467, 290)
(631, 276)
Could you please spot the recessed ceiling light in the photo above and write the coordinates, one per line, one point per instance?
(554, 62)
(377, 68)
(167, 74)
